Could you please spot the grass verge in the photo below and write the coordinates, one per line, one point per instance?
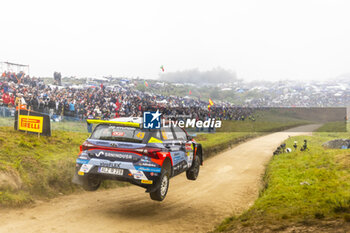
(301, 190)
(32, 167)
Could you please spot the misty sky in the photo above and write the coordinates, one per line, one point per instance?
(262, 39)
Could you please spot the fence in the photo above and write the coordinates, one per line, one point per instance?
(7, 118)
(65, 123)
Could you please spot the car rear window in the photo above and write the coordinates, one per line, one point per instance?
(167, 134)
(180, 134)
(118, 133)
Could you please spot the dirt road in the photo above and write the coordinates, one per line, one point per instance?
(228, 183)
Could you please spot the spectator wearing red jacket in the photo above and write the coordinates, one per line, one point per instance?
(6, 99)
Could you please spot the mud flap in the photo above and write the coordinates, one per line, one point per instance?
(77, 179)
(153, 188)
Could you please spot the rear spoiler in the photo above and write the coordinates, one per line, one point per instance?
(131, 124)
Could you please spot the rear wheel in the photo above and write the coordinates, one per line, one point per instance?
(160, 193)
(193, 172)
(91, 183)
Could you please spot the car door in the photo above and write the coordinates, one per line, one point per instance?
(176, 149)
(186, 146)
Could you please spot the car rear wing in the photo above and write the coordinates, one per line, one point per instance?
(130, 124)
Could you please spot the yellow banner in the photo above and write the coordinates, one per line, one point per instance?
(31, 123)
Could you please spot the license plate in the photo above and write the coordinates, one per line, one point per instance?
(111, 170)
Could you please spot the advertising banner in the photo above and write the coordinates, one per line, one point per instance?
(34, 122)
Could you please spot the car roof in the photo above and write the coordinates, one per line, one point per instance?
(128, 119)
(123, 121)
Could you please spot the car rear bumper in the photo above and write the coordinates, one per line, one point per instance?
(142, 174)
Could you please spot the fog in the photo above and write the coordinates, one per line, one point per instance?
(256, 40)
(216, 75)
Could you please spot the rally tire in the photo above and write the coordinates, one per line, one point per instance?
(193, 172)
(91, 183)
(160, 193)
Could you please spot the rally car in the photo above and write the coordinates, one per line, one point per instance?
(121, 149)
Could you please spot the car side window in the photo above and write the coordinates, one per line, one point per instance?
(180, 134)
(167, 134)
(157, 134)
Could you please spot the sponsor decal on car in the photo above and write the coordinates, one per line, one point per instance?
(110, 164)
(113, 155)
(82, 161)
(138, 175)
(83, 156)
(124, 165)
(85, 168)
(189, 159)
(99, 154)
(148, 164)
(118, 134)
(177, 158)
(154, 140)
(145, 159)
(81, 173)
(148, 169)
(189, 147)
(147, 181)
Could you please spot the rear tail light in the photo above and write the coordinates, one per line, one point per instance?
(86, 146)
(152, 152)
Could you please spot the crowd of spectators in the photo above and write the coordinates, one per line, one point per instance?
(287, 93)
(106, 103)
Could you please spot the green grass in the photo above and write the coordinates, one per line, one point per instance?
(335, 127)
(300, 188)
(44, 165)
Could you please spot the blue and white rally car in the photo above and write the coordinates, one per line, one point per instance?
(121, 149)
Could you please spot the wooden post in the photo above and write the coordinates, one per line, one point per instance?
(27, 120)
(18, 114)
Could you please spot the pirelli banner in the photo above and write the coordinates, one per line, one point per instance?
(34, 122)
